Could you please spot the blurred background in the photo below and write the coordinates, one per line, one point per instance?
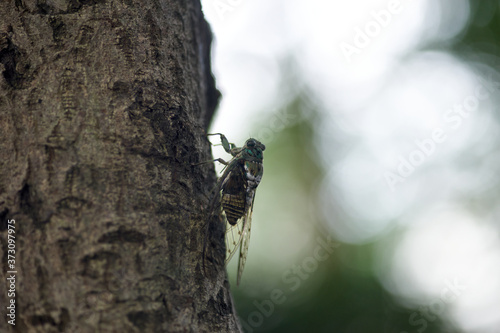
(378, 210)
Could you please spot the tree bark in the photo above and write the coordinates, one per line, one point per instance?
(104, 106)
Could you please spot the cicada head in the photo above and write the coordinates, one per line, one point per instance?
(253, 150)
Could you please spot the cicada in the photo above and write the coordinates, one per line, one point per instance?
(235, 194)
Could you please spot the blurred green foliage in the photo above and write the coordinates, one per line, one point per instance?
(483, 31)
(343, 294)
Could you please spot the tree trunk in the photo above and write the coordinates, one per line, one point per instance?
(104, 106)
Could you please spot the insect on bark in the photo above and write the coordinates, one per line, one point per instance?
(235, 194)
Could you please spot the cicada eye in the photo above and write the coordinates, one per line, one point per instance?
(263, 147)
(251, 143)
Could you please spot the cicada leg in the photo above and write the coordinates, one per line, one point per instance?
(225, 142)
(220, 160)
(227, 147)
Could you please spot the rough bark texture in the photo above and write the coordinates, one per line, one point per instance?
(103, 109)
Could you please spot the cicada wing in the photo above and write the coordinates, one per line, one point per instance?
(244, 246)
(214, 205)
(213, 212)
(234, 235)
(245, 240)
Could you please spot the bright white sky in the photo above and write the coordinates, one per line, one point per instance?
(390, 106)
